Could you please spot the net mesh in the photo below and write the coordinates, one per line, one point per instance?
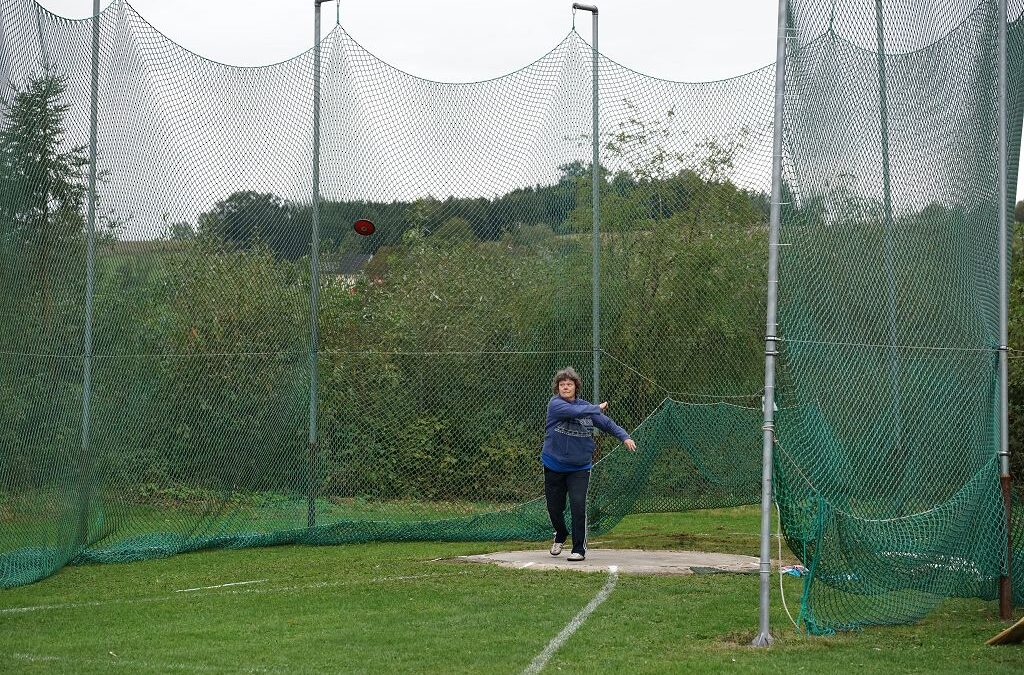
(189, 426)
(887, 471)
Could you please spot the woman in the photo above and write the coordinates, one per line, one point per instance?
(568, 455)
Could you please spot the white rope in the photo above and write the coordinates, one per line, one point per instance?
(873, 345)
(682, 394)
(782, 591)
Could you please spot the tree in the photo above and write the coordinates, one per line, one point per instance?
(42, 176)
(248, 219)
(43, 189)
(1018, 212)
(573, 170)
(180, 232)
(423, 215)
(41, 273)
(453, 232)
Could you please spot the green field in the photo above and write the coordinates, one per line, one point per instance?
(409, 608)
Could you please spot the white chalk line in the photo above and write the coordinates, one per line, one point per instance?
(233, 583)
(34, 657)
(135, 665)
(542, 659)
(233, 591)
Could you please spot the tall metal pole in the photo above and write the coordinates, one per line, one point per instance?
(1005, 584)
(884, 121)
(314, 276)
(595, 191)
(86, 462)
(890, 243)
(764, 637)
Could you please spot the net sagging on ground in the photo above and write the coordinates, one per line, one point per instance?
(437, 336)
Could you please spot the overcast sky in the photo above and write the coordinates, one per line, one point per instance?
(470, 40)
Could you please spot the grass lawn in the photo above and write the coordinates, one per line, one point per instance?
(405, 607)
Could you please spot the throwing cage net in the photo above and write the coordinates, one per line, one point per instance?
(192, 376)
(887, 471)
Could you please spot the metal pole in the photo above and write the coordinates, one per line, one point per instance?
(884, 120)
(595, 190)
(314, 275)
(1005, 583)
(890, 245)
(86, 469)
(764, 637)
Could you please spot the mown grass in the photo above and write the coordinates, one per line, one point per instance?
(410, 608)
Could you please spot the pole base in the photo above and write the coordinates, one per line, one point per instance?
(1005, 583)
(1005, 598)
(763, 640)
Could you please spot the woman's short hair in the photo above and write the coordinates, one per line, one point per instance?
(568, 373)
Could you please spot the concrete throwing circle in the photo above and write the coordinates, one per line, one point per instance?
(628, 561)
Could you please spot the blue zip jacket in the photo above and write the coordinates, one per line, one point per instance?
(569, 434)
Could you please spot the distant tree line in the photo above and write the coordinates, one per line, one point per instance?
(247, 219)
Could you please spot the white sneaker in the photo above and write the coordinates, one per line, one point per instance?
(575, 557)
(556, 548)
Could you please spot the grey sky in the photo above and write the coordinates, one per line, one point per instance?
(469, 40)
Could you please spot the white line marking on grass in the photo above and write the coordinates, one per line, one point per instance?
(118, 662)
(233, 583)
(405, 578)
(66, 605)
(542, 659)
(328, 584)
(233, 591)
(34, 657)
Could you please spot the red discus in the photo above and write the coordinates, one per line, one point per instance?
(364, 227)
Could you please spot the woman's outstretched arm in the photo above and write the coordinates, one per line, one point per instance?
(562, 409)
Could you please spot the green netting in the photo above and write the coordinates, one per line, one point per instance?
(437, 336)
(887, 475)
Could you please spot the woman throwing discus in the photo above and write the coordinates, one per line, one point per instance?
(568, 456)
